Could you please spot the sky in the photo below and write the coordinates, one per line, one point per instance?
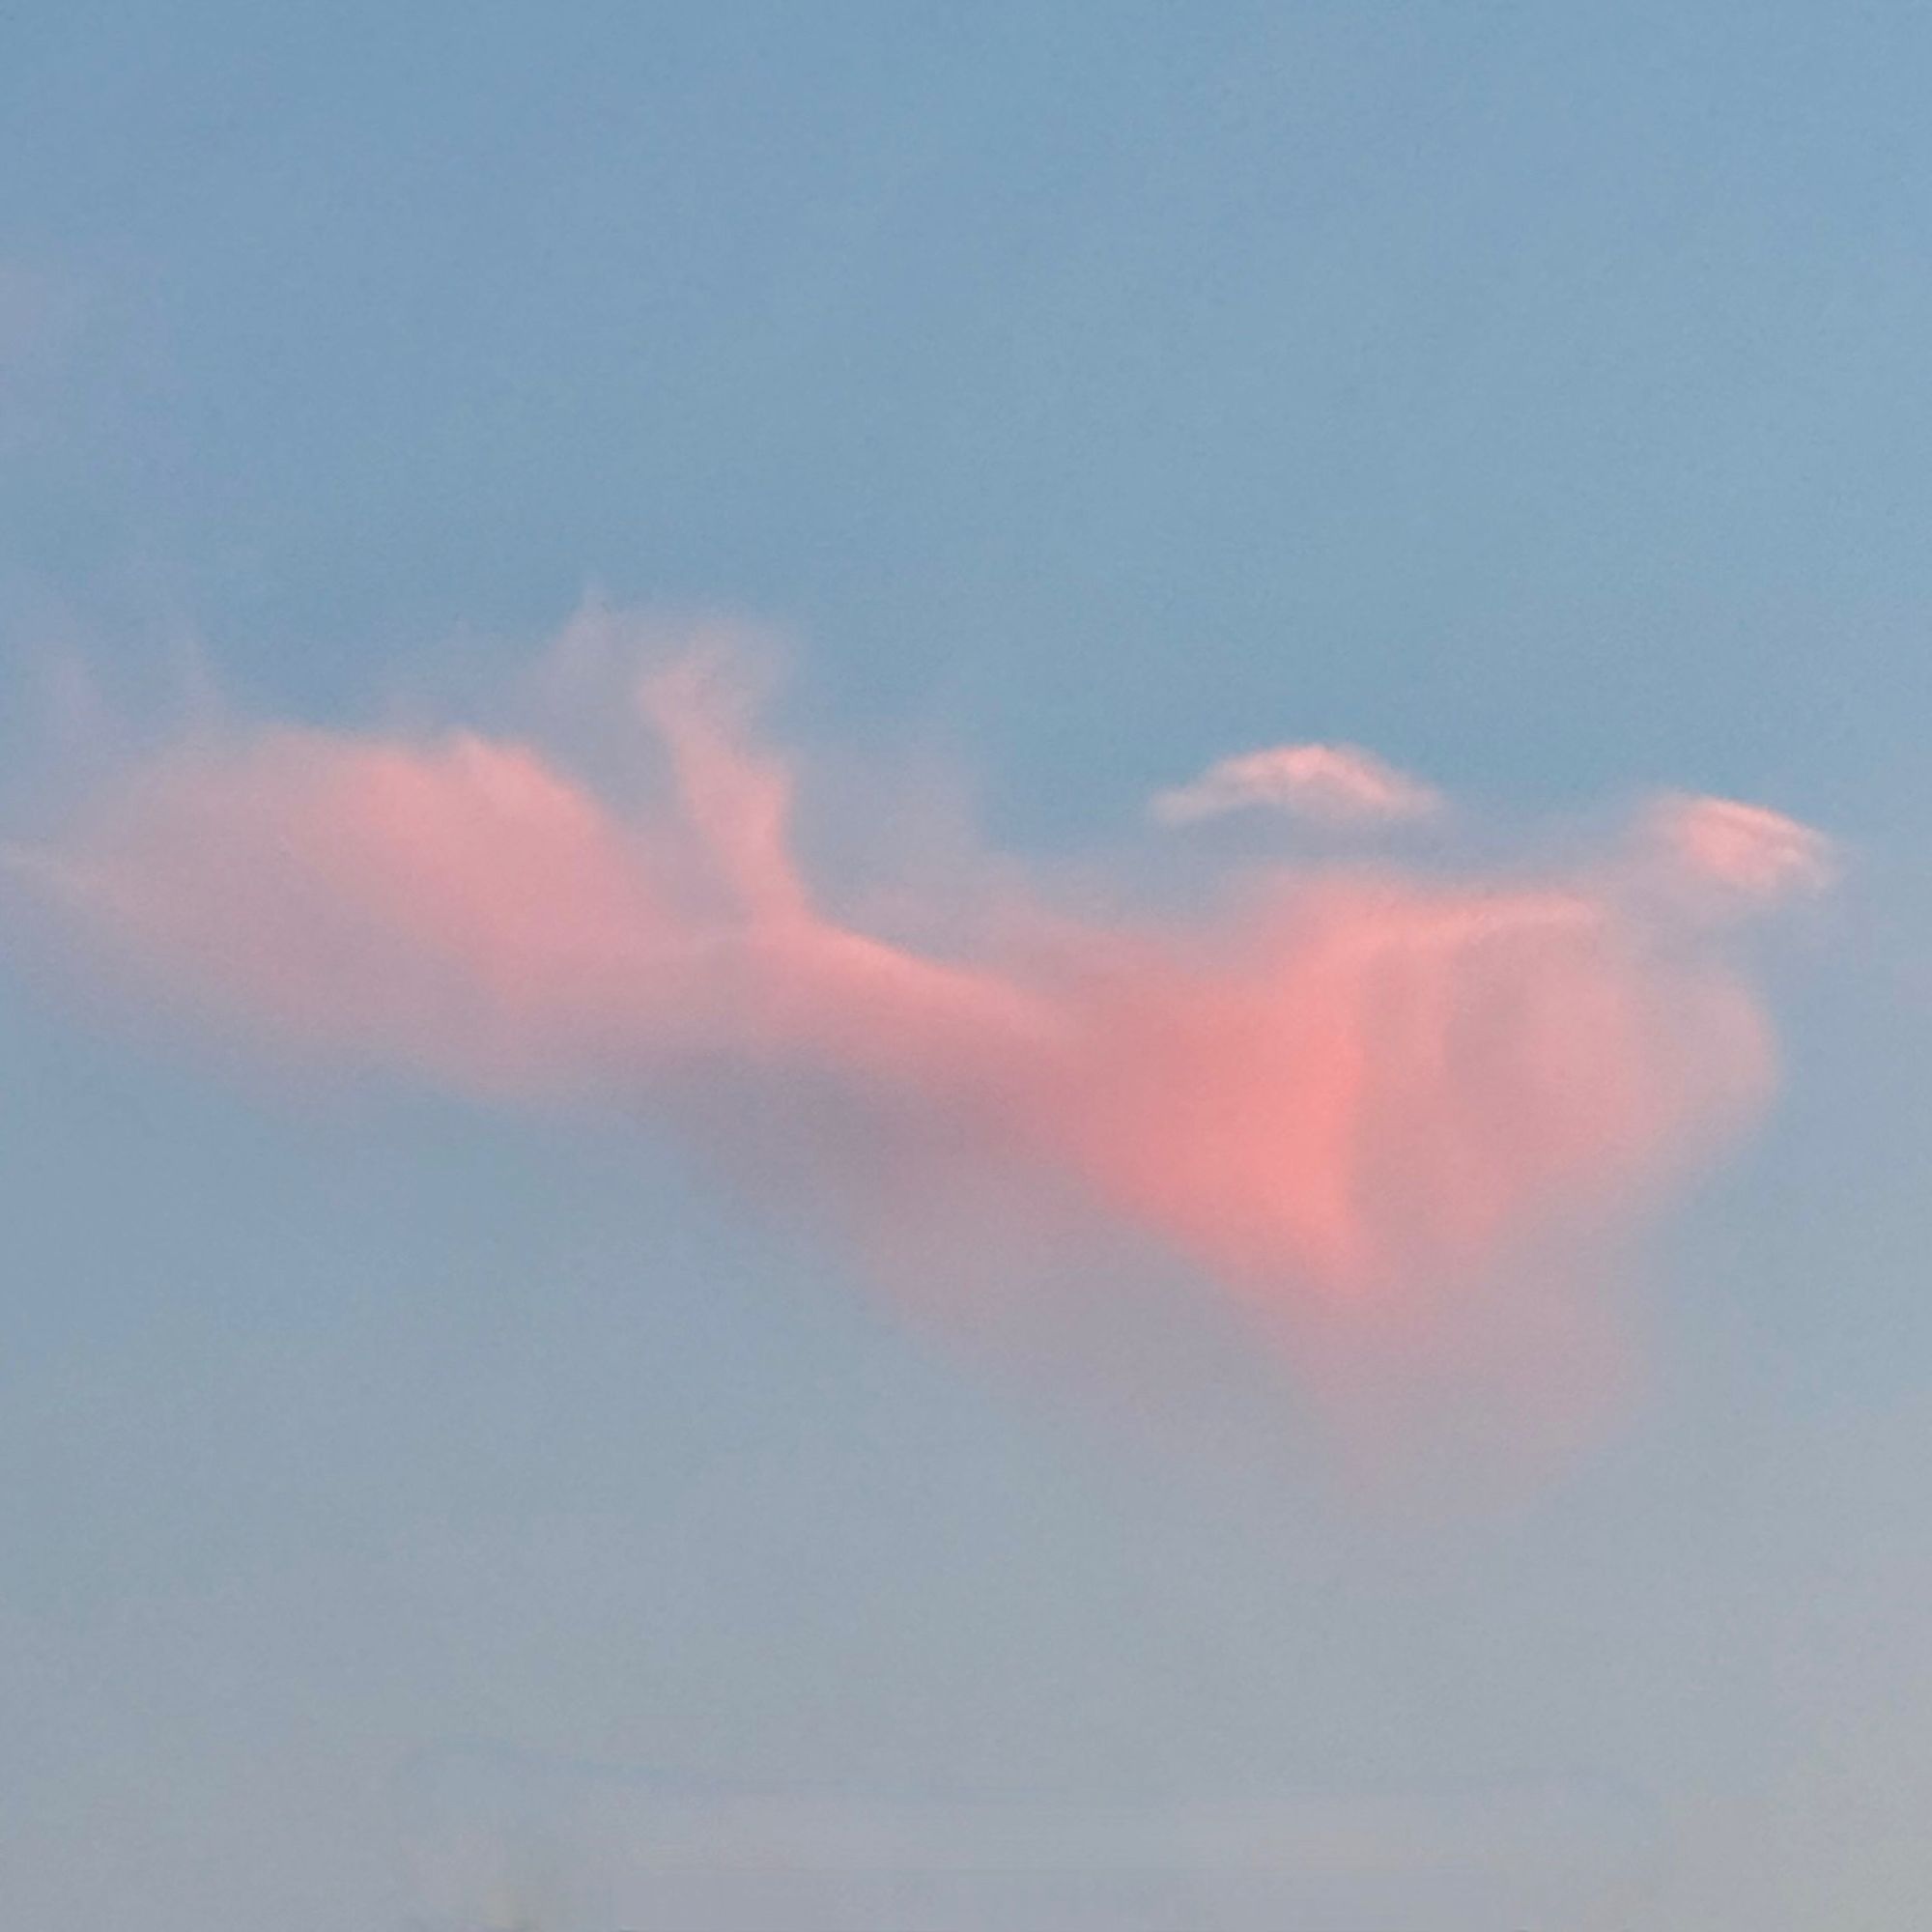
(916, 916)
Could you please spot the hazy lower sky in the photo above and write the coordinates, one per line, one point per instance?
(1215, 1110)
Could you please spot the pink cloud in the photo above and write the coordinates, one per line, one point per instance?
(454, 905)
(1334, 784)
(1354, 1101)
(1741, 852)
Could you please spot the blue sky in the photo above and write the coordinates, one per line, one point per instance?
(1535, 395)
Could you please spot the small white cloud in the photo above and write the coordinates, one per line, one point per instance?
(1745, 852)
(1335, 785)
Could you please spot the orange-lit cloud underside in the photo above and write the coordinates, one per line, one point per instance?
(1355, 1083)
